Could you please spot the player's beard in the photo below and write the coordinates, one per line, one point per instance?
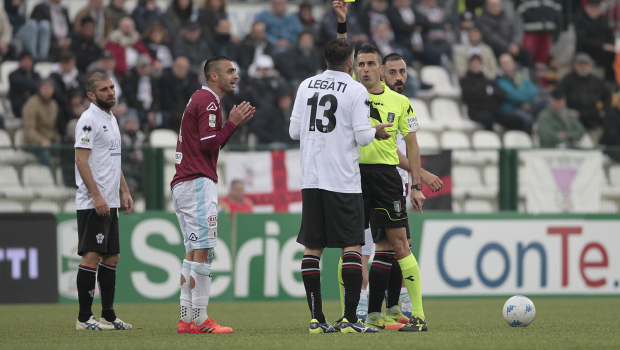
(398, 88)
(105, 105)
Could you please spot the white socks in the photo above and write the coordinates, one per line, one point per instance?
(364, 294)
(186, 292)
(405, 301)
(201, 274)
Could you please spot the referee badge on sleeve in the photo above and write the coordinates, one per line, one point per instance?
(390, 118)
(413, 124)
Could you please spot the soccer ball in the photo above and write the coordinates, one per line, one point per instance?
(519, 311)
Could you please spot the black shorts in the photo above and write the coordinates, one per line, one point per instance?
(331, 219)
(98, 233)
(379, 233)
(382, 188)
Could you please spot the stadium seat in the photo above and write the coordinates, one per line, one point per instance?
(10, 186)
(11, 207)
(169, 171)
(139, 205)
(6, 68)
(427, 140)
(585, 142)
(611, 189)
(517, 139)
(21, 155)
(167, 139)
(446, 112)
(18, 138)
(69, 206)
(477, 206)
(40, 179)
(607, 206)
(456, 207)
(522, 181)
(439, 78)
(7, 153)
(169, 206)
(40, 206)
(454, 140)
(465, 180)
(483, 140)
(425, 122)
(44, 69)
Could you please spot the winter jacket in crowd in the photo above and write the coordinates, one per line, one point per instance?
(587, 95)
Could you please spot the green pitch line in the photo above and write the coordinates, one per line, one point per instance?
(561, 323)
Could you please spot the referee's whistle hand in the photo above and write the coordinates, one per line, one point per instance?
(381, 133)
(101, 206)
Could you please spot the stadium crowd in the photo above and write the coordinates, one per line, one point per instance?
(543, 65)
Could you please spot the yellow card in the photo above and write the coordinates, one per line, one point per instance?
(349, 0)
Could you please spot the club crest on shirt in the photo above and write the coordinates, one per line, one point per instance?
(212, 221)
(99, 238)
(390, 118)
(397, 207)
(212, 120)
(212, 107)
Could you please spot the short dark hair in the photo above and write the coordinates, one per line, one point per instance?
(212, 63)
(93, 78)
(392, 57)
(338, 52)
(66, 56)
(305, 32)
(47, 81)
(558, 94)
(368, 48)
(87, 19)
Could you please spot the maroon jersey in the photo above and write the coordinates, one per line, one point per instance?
(201, 121)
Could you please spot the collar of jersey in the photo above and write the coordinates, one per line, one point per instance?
(100, 112)
(211, 91)
(335, 72)
(382, 84)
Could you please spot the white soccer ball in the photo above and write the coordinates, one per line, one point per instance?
(519, 311)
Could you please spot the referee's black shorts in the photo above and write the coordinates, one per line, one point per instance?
(98, 233)
(331, 219)
(382, 188)
(380, 233)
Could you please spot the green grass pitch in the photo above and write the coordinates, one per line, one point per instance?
(463, 323)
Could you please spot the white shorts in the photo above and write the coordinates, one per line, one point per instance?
(195, 203)
(369, 246)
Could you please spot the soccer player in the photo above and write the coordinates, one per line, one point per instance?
(101, 191)
(331, 119)
(382, 191)
(194, 188)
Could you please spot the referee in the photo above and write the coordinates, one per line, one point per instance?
(101, 189)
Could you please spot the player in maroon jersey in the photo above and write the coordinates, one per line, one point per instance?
(194, 187)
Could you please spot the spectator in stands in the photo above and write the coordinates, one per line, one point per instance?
(141, 90)
(541, 20)
(301, 61)
(40, 114)
(179, 12)
(329, 26)
(116, 11)
(84, 45)
(210, 14)
(557, 125)
(133, 159)
(408, 27)
(221, 42)
(58, 17)
(66, 78)
(77, 104)
(585, 92)
(23, 83)
(6, 34)
(270, 123)
(466, 22)
(475, 46)
(156, 40)
(104, 24)
(383, 39)
(236, 201)
(254, 45)
(502, 33)
(520, 92)
(107, 64)
(126, 46)
(176, 86)
(67, 154)
(189, 45)
(440, 26)
(147, 13)
(308, 22)
(611, 133)
(282, 30)
(595, 37)
(483, 98)
(263, 81)
(32, 36)
(375, 13)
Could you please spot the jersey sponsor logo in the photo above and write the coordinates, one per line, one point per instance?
(211, 120)
(397, 207)
(193, 237)
(413, 123)
(105, 128)
(87, 129)
(390, 118)
(212, 220)
(178, 157)
(99, 238)
(212, 107)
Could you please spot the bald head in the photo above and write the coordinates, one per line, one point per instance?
(180, 68)
(494, 7)
(126, 25)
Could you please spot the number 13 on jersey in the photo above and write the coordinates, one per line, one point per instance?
(328, 114)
